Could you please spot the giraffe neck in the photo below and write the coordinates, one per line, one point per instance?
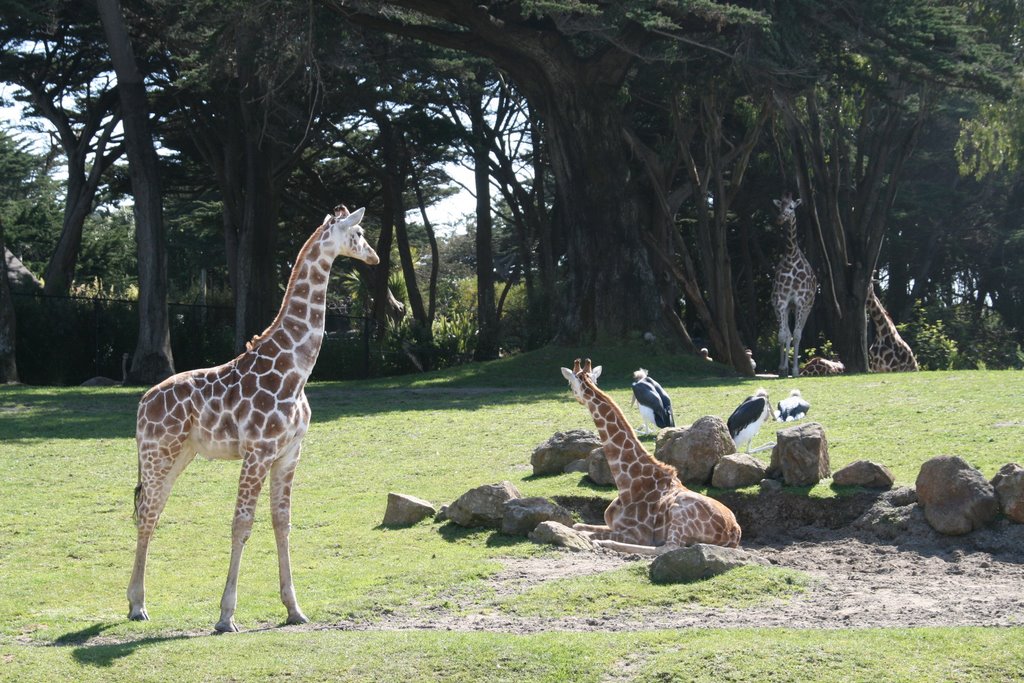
(621, 446)
(883, 323)
(298, 329)
(792, 248)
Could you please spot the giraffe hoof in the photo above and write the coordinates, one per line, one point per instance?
(297, 618)
(227, 626)
(138, 614)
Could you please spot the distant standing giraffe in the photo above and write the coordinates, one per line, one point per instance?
(252, 408)
(888, 352)
(654, 512)
(794, 289)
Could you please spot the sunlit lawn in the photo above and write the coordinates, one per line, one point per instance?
(67, 469)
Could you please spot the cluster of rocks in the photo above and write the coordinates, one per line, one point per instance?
(495, 506)
(957, 499)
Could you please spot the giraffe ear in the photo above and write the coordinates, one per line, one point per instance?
(797, 202)
(778, 203)
(596, 372)
(567, 373)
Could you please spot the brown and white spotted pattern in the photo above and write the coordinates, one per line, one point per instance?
(253, 408)
(888, 352)
(793, 291)
(653, 512)
(822, 367)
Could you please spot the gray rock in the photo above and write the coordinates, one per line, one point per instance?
(578, 465)
(955, 496)
(562, 448)
(1009, 486)
(695, 450)
(483, 506)
(770, 485)
(554, 533)
(699, 561)
(404, 510)
(597, 468)
(736, 471)
(864, 473)
(522, 515)
(800, 455)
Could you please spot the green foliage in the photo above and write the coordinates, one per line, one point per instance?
(962, 337)
(933, 349)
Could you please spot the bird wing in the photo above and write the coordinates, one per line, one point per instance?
(747, 412)
(646, 396)
(665, 401)
(794, 407)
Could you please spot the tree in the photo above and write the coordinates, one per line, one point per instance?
(54, 52)
(152, 361)
(574, 62)
(8, 323)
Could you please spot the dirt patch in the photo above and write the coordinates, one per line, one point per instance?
(873, 560)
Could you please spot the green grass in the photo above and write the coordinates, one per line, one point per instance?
(67, 469)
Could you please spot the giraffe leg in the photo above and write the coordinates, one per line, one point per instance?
(798, 329)
(634, 548)
(784, 342)
(594, 531)
(159, 467)
(255, 465)
(281, 474)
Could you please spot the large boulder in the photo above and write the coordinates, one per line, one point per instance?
(864, 473)
(482, 506)
(736, 471)
(800, 455)
(522, 515)
(405, 510)
(1009, 486)
(562, 448)
(695, 450)
(554, 533)
(598, 470)
(699, 561)
(955, 496)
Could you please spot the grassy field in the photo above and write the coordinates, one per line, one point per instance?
(67, 469)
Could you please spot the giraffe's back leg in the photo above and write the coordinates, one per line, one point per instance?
(159, 467)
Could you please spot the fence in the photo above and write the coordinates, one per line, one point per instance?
(64, 340)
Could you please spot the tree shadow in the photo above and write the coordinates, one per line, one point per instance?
(453, 533)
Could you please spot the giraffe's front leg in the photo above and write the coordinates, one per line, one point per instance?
(255, 465)
(281, 513)
(594, 531)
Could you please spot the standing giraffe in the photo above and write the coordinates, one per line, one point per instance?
(252, 408)
(888, 352)
(654, 512)
(794, 289)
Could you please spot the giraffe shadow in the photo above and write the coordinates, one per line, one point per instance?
(105, 653)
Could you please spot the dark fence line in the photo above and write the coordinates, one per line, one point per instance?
(65, 340)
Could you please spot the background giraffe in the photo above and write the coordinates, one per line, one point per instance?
(888, 352)
(653, 512)
(794, 290)
(252, 408)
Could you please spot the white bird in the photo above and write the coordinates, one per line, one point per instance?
(794, 407)
(746, 420)
(655, 405)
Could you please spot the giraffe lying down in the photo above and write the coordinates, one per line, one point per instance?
(654, 512)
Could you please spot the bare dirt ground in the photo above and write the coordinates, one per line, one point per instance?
(873, 561)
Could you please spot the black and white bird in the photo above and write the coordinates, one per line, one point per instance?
(793, 407)
(746, 420)
(655, 405)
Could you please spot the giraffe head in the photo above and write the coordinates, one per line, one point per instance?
(787, 208)
(576, 376)
(343, 236)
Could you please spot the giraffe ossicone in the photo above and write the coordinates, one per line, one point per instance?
(653, 512)
(252, 408)
(793, 290)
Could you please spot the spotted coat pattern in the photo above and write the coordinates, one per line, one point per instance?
(793, 290)
(252, 408)
(653, 507)
(888, 352)
(822, 367)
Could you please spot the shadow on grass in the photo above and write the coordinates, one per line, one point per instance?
(105, 654)
(453, 533)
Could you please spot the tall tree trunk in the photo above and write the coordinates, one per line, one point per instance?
(152, 361)
(8, 336)
(486, 310)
